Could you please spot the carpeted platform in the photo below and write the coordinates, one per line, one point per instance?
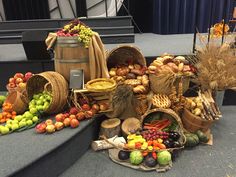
(29, 154)
(218, 160)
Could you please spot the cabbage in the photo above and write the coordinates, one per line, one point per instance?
(136, 157)
(164, 157)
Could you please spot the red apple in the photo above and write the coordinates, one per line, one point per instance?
(59, 117)
(50, 128)
(89, 114)
(49, 122)
(103, 106)
(66, 122)
(94, 111)
(22, 85)
(66, 114)
(80, 116)
(59, 126)
(11, 85)
(74, 123)
(86, 107)
(28, 75)
(96, 107)
(11, 80)
(19, 75)
(72, 116)
(41, 128)
(73, 111)
(19, 80)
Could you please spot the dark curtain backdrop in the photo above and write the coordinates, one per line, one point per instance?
(81, 8)
(26, 9)
(178, 16)
(142, 12)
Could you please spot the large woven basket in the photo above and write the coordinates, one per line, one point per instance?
(123, 55)
(168, 113)
(53, 82)
(161, 84)
(193, 123)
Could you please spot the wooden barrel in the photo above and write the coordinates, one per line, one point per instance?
(71, 54)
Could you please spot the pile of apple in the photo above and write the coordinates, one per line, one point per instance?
(40, 102)
(71, 119)
(92, 105)
(20, 122)
(19, 81)
(37, 105)
(8, 112)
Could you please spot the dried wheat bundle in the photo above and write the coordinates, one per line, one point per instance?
(216, 67)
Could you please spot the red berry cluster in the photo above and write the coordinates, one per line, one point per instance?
(153, 135)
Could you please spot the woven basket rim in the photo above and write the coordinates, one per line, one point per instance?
(172, 113)
(110, 88)
(197, 117)
(126, 46)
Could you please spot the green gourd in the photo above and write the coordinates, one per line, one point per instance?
(191, 140)
(202, 136)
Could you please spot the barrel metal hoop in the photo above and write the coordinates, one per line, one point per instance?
(81, 60)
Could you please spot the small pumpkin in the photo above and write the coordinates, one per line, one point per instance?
(191, 140)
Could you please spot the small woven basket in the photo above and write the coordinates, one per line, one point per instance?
(123, 55)
(172, 114)
(162, 84)
(18, 100)
(55, 84)
(98, 97)
(193, 123)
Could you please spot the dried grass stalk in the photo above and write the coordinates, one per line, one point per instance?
(216, 67)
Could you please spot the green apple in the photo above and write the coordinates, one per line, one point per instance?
(36, 96)
(28, 115)
(9, 122)
(29, 122)
(5, 130)
(19, 118)
(1, 126)
(35, 119)
(39, 102)
(22, 124)
(33, 110)
(32, 102)
(15, 121)
(40, 108)
(23, 120)
(31, 106)
(41, 98)
(14, 126)
(45, 106)
(8, 126)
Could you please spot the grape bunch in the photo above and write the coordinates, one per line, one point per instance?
(85, 35)
(79, 29)
(153, 135)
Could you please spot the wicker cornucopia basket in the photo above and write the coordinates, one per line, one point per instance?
(52, 82)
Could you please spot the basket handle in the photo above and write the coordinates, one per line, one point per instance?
(46, 87)
(23, 96)
(74, 99)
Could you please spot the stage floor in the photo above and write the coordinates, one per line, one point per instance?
(150, 44)
(218, 160)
